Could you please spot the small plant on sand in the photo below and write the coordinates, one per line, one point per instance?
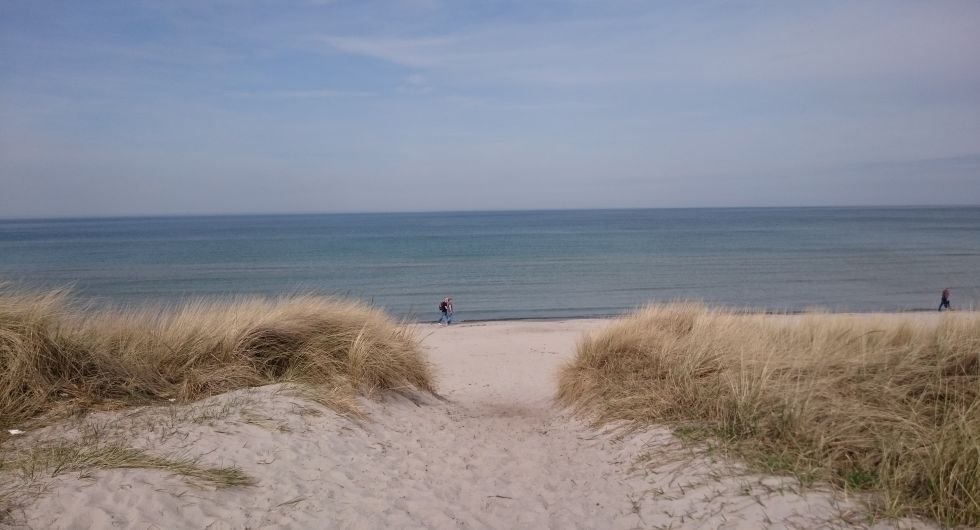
(27, 469)
(51, 459)
(890, 405)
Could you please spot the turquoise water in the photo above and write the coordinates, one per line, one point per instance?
(518, 264)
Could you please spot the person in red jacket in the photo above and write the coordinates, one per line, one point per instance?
(446, 308)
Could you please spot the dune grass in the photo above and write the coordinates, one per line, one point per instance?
(57, 357)
(51, 459)
(26, 470)
(889, 405)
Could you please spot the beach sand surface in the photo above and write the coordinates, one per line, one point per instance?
(492, 452)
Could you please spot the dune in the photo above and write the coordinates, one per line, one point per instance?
(491, 450)
(882, 404)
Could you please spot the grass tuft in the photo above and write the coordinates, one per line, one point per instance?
(53, 459)
(890, 405)
(27, 472)
(57, 358)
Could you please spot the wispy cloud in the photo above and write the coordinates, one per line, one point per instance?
(415, 84)
(427, 52)
(318, 93)
(835, 42)
(617, 102)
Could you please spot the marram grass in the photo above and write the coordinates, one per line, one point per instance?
(889, 405)
(58, 358)
(56, 458)
(26, 471)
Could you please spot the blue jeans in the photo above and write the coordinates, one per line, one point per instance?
(446, 318)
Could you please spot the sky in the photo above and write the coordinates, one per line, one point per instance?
(159, 107)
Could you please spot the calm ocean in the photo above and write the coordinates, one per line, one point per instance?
(518, 264)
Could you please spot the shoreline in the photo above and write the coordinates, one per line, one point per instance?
(410, 314)
(748, 312)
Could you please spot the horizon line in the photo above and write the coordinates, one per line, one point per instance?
(474, 211)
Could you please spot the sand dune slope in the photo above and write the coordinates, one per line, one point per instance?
(494, 454)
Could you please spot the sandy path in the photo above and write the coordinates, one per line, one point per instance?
(515, 461)
(495, 454)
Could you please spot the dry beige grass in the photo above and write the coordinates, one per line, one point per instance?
(51, 459)
(890, 405)
(27, 469)
(57, 358)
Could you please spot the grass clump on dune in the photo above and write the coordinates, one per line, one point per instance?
(890, 405)
(57, 358)
(26, 471)
(52, 459)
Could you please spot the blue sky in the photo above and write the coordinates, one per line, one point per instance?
(222, 106)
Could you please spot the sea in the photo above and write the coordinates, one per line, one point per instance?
(516, 264)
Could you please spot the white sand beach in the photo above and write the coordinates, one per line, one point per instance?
(495, 452)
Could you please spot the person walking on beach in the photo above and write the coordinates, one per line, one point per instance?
(446, 308)
(944, 301)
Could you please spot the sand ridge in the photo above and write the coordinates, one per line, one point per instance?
(494, 452)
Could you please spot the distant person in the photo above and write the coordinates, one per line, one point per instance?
(446, 308)
(944, 301)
